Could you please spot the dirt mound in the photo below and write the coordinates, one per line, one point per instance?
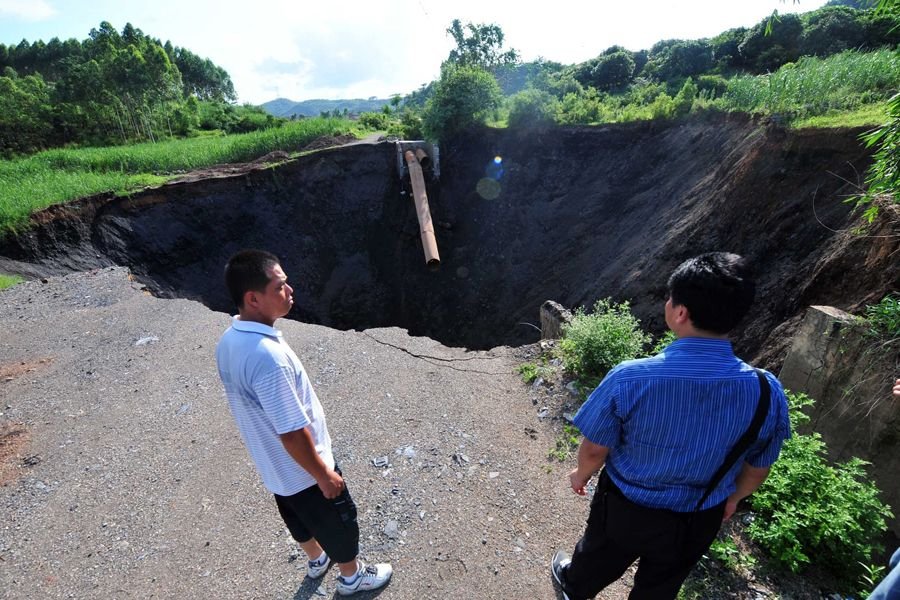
(571, 214)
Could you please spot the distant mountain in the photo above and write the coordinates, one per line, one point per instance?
(283, 107)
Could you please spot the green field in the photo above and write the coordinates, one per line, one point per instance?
(55, 176)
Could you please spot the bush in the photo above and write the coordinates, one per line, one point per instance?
(809, 511)
(594, 343)
(463, 97)
(531, 107)
(583, 108)
(378, 121)
(883, 319)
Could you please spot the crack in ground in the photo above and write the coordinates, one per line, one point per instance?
(429, 359)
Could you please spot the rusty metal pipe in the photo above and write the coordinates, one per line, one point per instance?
(426, 228)
(423, 157)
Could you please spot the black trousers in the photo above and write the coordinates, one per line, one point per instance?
(620, 531)
(308, 514)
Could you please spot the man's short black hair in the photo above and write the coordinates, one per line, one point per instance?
(248, 270)
(716, 288)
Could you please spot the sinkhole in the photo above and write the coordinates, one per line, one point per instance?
(520, 217)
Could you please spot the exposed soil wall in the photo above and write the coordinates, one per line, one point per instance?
(572, 214)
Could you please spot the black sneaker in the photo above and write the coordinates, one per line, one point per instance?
(559, 563)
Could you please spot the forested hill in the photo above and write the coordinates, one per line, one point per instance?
(111, 87)
(283, 107)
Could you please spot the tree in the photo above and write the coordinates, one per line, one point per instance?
(830, 30)
(772, 43)
(463, 96)
(725, 53)
(683, 58)
(481, 47)
(24, 115)
(613, 71)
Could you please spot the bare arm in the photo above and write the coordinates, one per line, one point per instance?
(748, 480)
(299, 444)
(591, 457)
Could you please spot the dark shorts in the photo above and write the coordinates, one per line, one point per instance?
(308, 514)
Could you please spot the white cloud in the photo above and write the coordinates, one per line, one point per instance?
(30, 10)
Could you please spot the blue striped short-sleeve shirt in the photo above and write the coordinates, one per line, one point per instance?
(270, 394)
(669, 420)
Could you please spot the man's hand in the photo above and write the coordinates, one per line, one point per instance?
(578, 481)
(747, 481)
(591, 458)
(331, 485)
(730, 507)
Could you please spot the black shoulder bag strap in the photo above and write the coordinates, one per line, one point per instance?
(762, 409)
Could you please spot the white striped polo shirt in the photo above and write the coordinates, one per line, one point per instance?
(269, 394)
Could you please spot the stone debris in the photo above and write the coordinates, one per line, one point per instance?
(407, 452)
(392, 529)
(381, 461)
(146, 340)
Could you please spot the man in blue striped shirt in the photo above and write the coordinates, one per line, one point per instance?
(662, 427)
(283, 425)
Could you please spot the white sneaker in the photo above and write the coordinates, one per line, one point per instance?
(317, 568)
(369, 577)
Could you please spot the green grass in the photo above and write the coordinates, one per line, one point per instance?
(56, 176)
(7, 281)
(871, 115)
(818, 86)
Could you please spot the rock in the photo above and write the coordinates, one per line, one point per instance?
(537, 383)
(543, 412)
(146, 340)
(570, 417)
(572, 388)
(553, 316)
(392, 529)
(381, 461)
(493, 474)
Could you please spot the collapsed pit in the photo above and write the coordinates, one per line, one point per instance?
(570, 214)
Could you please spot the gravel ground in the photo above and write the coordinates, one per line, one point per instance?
(132, 480)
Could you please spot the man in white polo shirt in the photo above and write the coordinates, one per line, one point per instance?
(283, 425)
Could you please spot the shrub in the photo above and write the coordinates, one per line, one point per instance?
(809, 511)
(531, 107)
(883, 319)
(594, 343)
(528, 371)
(463, 97)
(583, 108)
(378, 121)
(663, 342)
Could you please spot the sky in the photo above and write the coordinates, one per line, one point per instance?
(363, 48)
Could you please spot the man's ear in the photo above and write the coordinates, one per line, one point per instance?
(250, 299)
(681, 314)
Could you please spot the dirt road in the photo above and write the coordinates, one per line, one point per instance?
(132, 480)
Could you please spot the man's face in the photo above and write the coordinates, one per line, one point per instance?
(276, 300)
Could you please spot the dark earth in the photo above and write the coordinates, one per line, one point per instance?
(573, 214)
